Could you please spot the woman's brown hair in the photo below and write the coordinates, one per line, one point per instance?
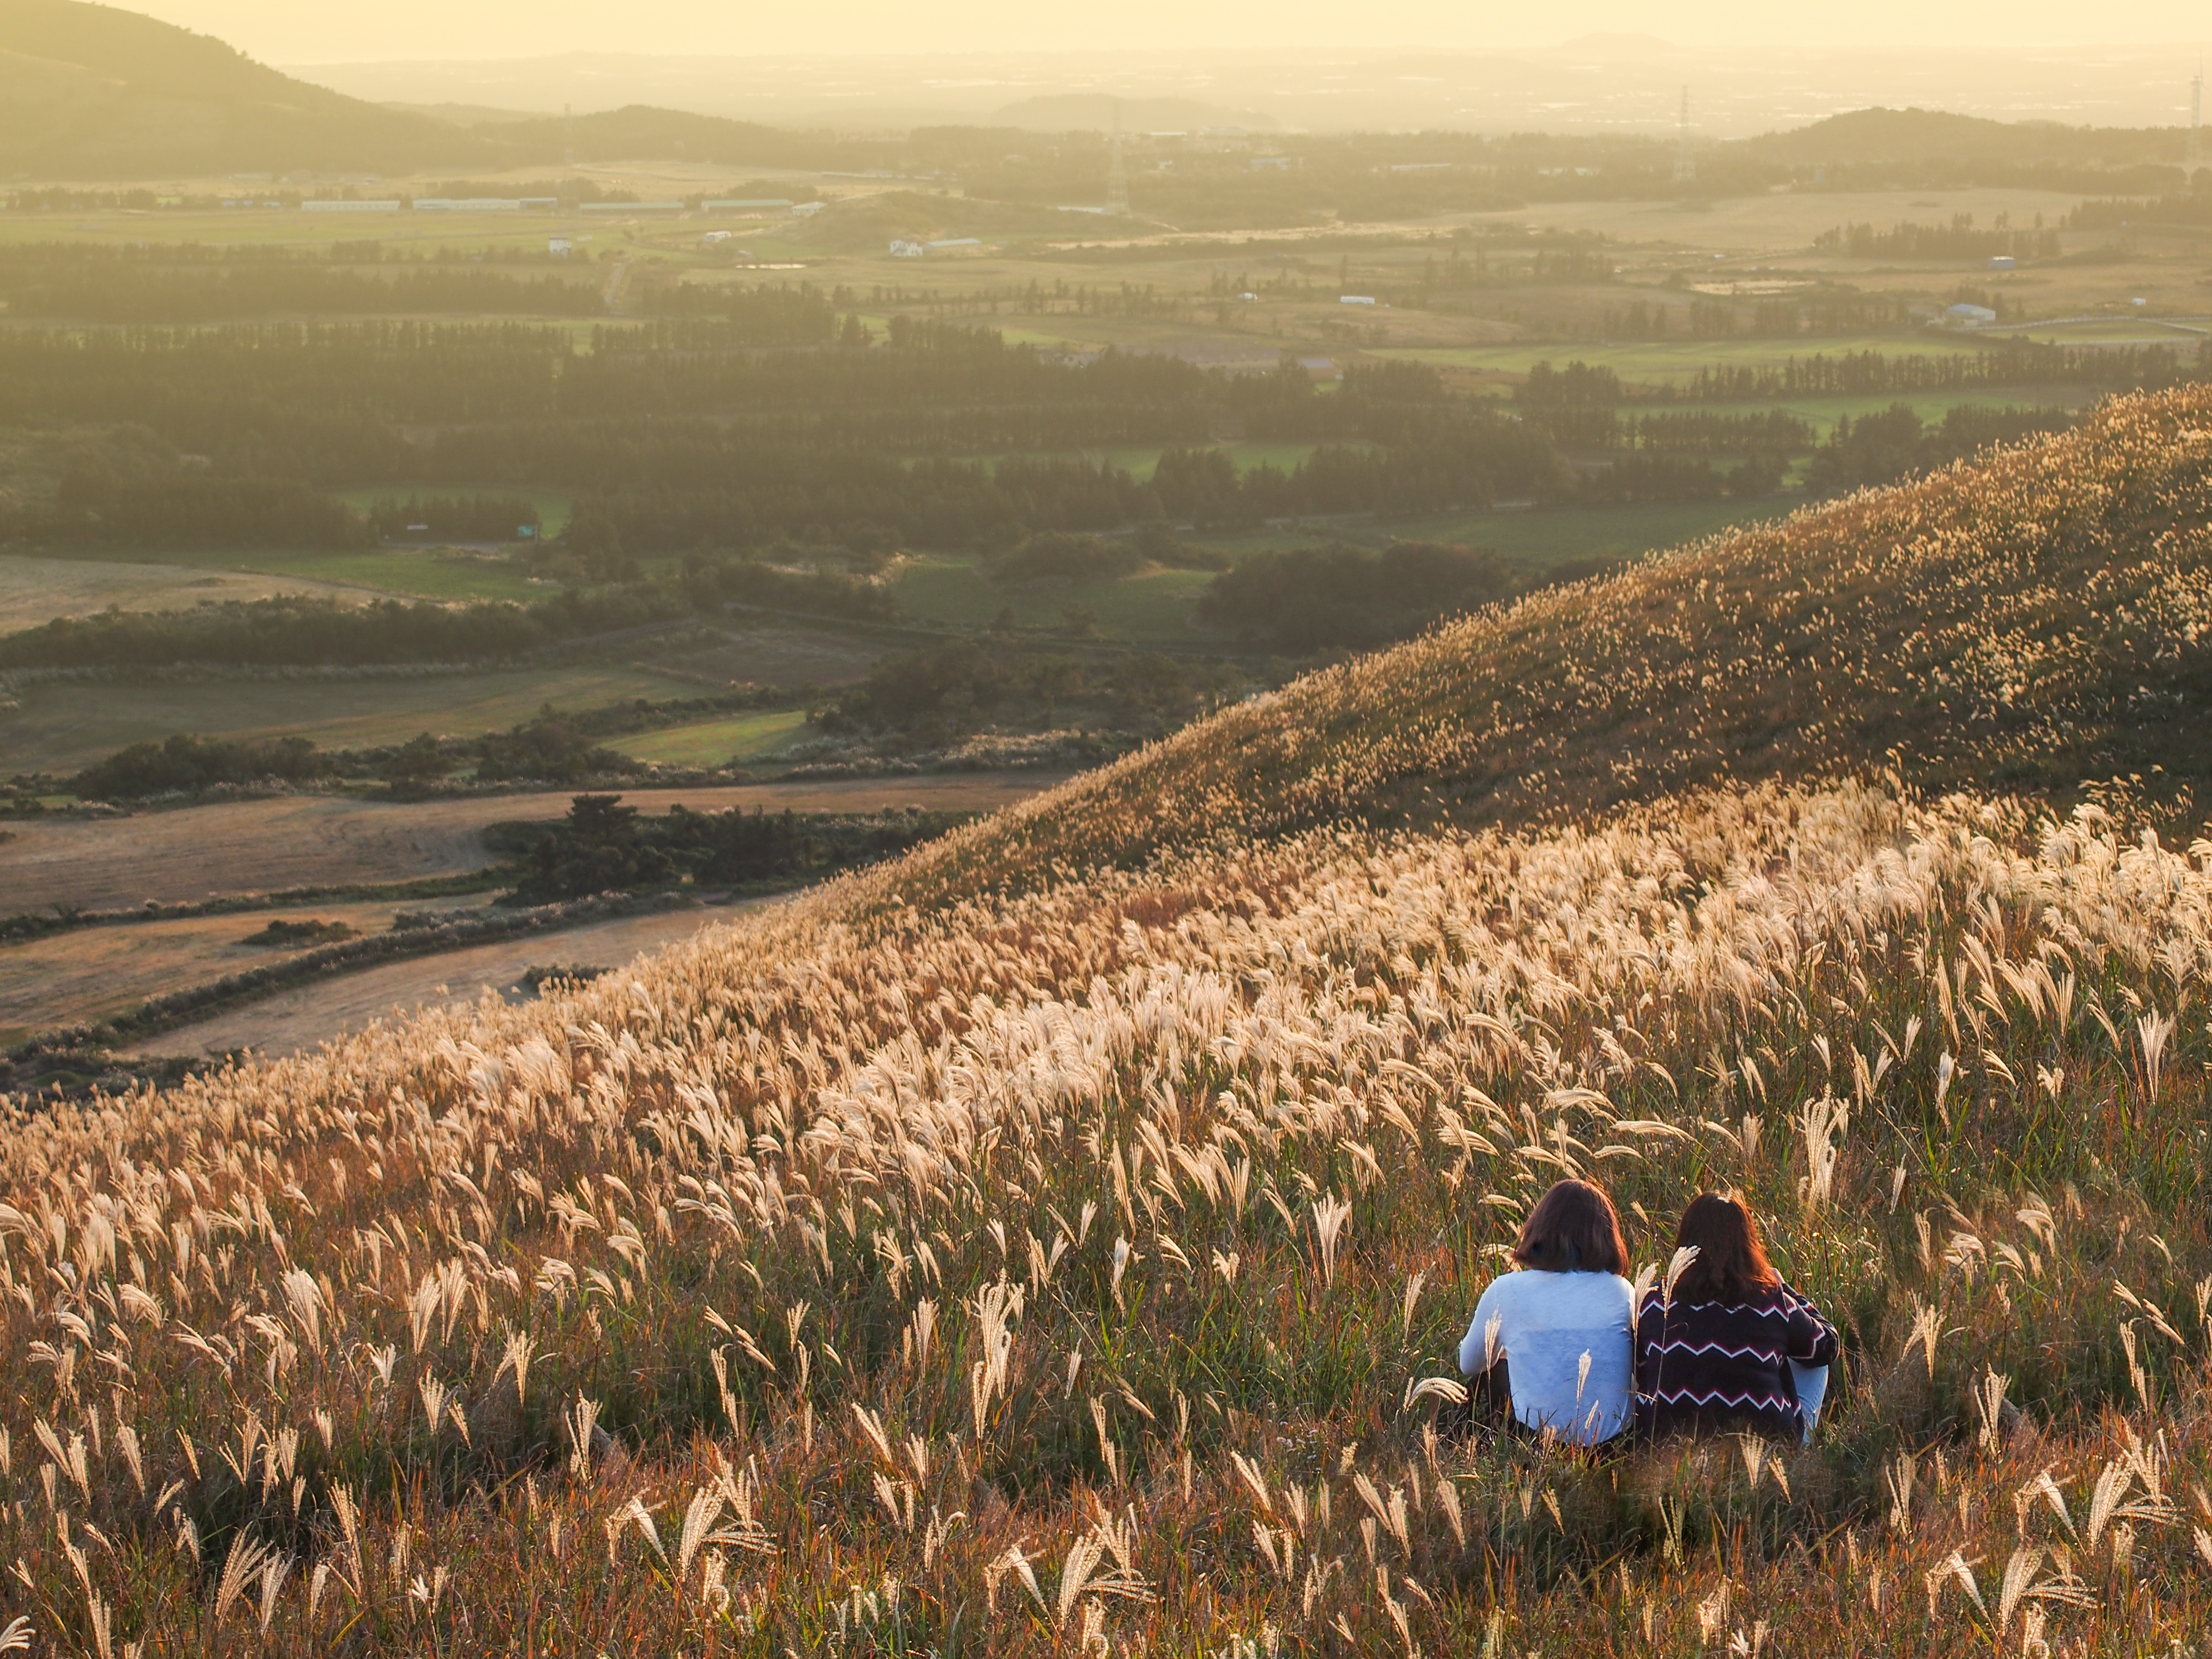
(1573, 1229)
(1731, 1264)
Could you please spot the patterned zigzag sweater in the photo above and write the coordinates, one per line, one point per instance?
(1722, 1365)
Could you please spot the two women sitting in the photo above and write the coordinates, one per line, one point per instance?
(1730, 1346)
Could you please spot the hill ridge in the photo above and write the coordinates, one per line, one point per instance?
(1985, 579)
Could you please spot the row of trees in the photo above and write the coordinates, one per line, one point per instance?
(293, 631)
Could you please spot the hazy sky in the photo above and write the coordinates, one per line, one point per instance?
(331, 31)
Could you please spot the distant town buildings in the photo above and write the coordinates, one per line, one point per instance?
(1963, 315)
(905, 248)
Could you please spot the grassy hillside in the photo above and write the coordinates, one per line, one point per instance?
(96, 92)
(1057, 1271)
(2035, 621)
(1902, 141)
(1053, 1271)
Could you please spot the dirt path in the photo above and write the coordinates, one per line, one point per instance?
(309, 1015)
(268, 846)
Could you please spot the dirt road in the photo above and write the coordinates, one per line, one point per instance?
(268, 846)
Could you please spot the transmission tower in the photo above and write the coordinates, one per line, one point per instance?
(1117, 171)
(1685, 164)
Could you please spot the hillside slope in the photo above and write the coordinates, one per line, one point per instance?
(1059, 1272)
(1903, 140)
(2033, 621)
(96, 92)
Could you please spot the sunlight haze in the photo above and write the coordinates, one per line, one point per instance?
(281, 30)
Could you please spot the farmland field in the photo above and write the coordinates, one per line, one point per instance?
(553, 505)
(307, 1017)
(192, 854)
(712, 743)
(61, 726)
(407, 571)
(34, 589)
(1670, 362)
(1154, 606)
(95, 974)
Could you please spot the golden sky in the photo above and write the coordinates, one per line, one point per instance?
(336, 31)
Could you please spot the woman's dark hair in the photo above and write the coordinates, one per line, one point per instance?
(1572, 1229)
(1731, 1264)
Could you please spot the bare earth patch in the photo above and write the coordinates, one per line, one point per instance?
(33, 590)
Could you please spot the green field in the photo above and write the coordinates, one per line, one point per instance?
(1543, 537)
(953, 592)
(741, 736)
(1668, 362)
(407, 573)
(1823, 413)
(553, 505)
(62, 726)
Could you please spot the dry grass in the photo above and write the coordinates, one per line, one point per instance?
(2039, 619)
(1053, 1270)
(813, 1286)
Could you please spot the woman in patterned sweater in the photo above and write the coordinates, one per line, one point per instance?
(1716, 1354)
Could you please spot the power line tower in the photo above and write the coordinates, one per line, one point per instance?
(1685, 163)
(1117, 171)
(567, 135)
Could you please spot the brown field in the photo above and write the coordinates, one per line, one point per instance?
(34, 590)
(304, 841)
(100, 972)
(309, 1015)
(766, 654)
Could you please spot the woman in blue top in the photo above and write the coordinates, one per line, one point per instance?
(1556, 1337)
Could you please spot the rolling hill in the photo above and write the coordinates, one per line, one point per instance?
(1904, 142)
(1075, 1270)
(95, 92)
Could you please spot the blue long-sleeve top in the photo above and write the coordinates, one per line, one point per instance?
(1567, 1341)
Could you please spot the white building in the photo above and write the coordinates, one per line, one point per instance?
(903, 249)
(1965, 316)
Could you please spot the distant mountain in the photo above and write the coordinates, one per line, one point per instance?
(1902, 140)
(89, 91)
(1096, 112)
(94, 92)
